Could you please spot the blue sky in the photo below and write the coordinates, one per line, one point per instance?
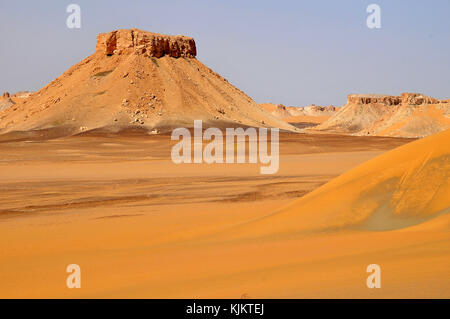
(290, 52)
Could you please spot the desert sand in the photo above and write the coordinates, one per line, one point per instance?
(86, 178)
(140, 226)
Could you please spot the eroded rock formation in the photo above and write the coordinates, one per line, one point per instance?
(373, 99)
(418, 99)
(404, 99)
(147, 43)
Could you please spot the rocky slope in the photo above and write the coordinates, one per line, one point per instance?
(136, 79)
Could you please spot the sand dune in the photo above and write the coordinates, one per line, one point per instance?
(401, 188)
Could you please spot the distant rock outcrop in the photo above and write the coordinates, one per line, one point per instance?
(373, 99)
(283, 112)
(22, 94)
(320, 110)
(301, 117)
(408, 115)
(405, 99)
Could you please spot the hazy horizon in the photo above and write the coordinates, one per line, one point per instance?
(294, 53)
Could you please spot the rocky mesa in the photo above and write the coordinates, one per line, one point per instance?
(135, 80)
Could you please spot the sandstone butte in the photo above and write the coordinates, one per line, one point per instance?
(408, 115)
(148, 43)
(135, 80)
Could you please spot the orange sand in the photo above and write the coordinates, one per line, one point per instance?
(140, 226)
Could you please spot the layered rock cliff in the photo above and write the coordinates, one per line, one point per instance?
(404, 99)
(147, 43)
(373, 99)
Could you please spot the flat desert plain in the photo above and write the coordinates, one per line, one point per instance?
(140, 226)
